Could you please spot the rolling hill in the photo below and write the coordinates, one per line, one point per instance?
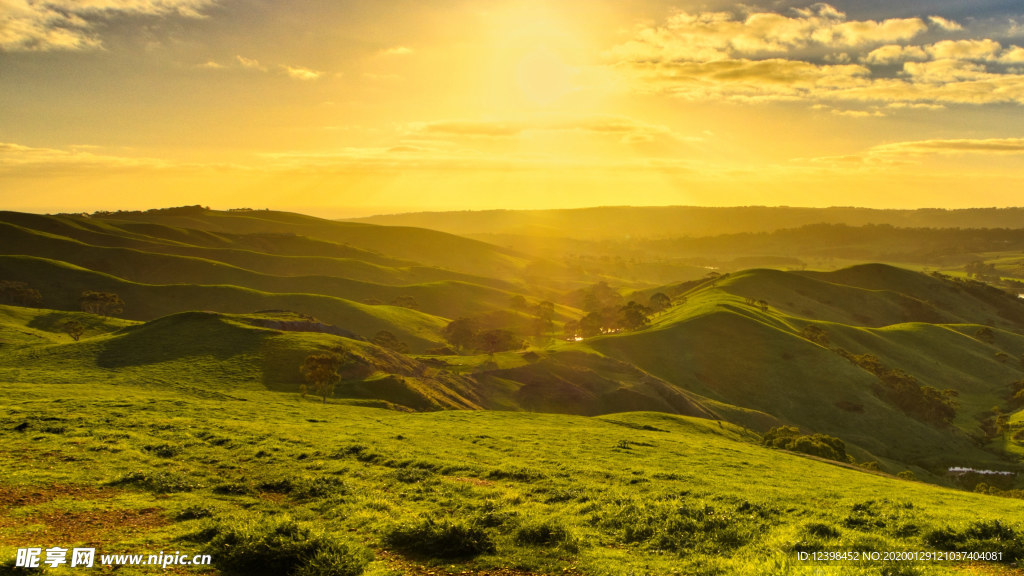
(904, 367)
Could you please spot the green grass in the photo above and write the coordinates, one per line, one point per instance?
(729, 352)
(445, 294)
(623, 494)
(63, 283)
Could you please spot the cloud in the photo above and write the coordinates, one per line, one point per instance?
(31, 25)
(894, 53)
(912, 152)
(626, 129)
(250, 63)
(468, 128)
(984, 49)
(745, 80)
(46, 160)
(859, 113)
(1013, 55)
(945, 24)
(397, 51)
(816, 55)
(300, 73)
(955, 146)
(703, 36)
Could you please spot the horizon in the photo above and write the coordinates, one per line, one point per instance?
(368, 108)
(318, 212)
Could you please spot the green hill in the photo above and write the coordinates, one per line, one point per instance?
(421, 245)
(208, 353)
(728, 349)
(446, 298)
(904, 367)
(63, 284)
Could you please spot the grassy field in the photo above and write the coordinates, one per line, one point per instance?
(179, 425)
(128, 469)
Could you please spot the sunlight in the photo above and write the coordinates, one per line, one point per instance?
(544, 77)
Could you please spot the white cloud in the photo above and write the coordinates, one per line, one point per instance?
(706, 36)
(984, 49)
(31, 25)
(397, 51)
(300, 73)
(1013, 55)
(807, 55)
(916, 151)
(894, 53)
(999, 146)
(15, 156)
(250, 63)
(626, 129)
(948, 25)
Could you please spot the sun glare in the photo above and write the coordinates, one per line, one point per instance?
(543, 76)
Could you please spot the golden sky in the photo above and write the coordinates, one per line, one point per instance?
(372, 106)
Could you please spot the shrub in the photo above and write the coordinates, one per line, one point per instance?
(548, 534)
(822, 445)
(193, 513)
(444, 539)
(283, 547)
(821, 530)
(981, 535)
(683, 527)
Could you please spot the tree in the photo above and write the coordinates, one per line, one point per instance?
(461, 332)
(591, 325)
(321, 374)
(599, 296)
(102, 303)
(545, 311)
(406, 302)
(544, 320)
(386, 339)
(498, 340)
(660, 301)
(74, 328)
(634, 316)
(19, 294)
(518, 303)
(571, 329)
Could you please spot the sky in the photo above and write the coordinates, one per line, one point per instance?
(359, 107)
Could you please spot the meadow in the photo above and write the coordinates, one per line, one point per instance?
(746, 417)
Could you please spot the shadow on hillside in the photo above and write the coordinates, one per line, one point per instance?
(184, 336)
(54, 322)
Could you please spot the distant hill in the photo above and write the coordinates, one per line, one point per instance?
(618, 222)
(421, 245)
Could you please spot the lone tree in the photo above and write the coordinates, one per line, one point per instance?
(102, 303)
(321, 374)
(74, 328)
